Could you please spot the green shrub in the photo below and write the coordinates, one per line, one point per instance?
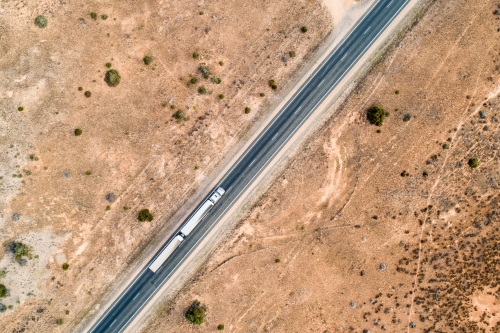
(147, 60)
(473, 163)
(41, 21)
(221, 96)
(20, 108)
(407, 117)
(221, 63)
(204, 71)
(397, 92)
(179, 115)
(273, 84)
(3, 291)
(376, 115)
(193, 80)
(59, 322)
(88, 94)
(196, 313)
(446, 146)
(78, 132)
(108, 207)
(112, 78)
(19, 250)
(220, 327)
(144, 215)
(2, 274)
(247, 110)
(88, 173)
(202, 90)
(303, 29)
(216, 80)
(262, 94)
(292, 54)
(196, 55)
(108, 65)
(104, 17)
(277, 260)
(93, 15)
(65, 266)
(80, 88)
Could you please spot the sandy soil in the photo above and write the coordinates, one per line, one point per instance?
(389, 231)
(53, 184)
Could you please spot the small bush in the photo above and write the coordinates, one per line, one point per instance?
(104, 17)
(221, 63)
(108, 65)
(202, 90)
(179, 115)
(88, 173)
(144, 215)
(397, 92)
(20, 108)
(221, 96)
(303, 29)
(446, 146)
(277, 260)
(196, 55)
(78, 132)
(262, 94)
(216, 80)
(247, 110)
(407, 117)
(80, 88)
(93, 15)
(108, 207)
(3, 291)
(220, 327)
(147, 60)
(292, 54)
(376, 115)
(88, 94)
(473, 163)
(65, 266)
(273, 84)
(193, 80)
(379, 131)
(41, 21)
(196, 313)
(59, 322)
(112, 78)
(204, 71)
(19, 250)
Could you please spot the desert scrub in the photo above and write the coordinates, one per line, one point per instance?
(147, 60)
(376, 115)
(104, 17)
(196, 55)
(112, 78)
(216, 80)
(303, 29)
(65, 266)
(396, 92)
(59, 322)
(41, 21)
(179, 115)
(20, 108)
(93, 15)
(446, 146)
(262, 94)
(220, 327)
(221, 96)
(88, 94)
(193, 80)
(221, 63)
(3, 291)
(292, 54)
(196, 313)
(247, 110)
(473, 163)
(78, 132)
(88, 173)
(108, 65)
(144, 215)
(19, 250)
(204, 71)
(273, 84)
(202, 90)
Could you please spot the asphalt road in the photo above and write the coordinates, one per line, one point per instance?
(255, 158)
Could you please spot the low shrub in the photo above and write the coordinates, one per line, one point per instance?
(220, 327)
(303, 29)
(247, 110)
(20, 108)
(292, 54)
(262, 94)
(104, 17)
(88, 94)
(65, 266)
(376, 115)
(277, 260)
(221, 96)
(108, 65)
(179, 115)
(144, 215)
(112, 78)
(80, 88)
(3, 291)
(407, 117)
(446, 146)
(59, 322)
(473, 163)
(147, 60)
(93, 15)
(204, 71)
(273, 84)
(193, 80)
(88, 173)
(19, 250)
(78, 132)
(221, 63)
(196, 55)
(202, 90)
(396, 92)
(216, 80)
(196, 313)
(41, 21)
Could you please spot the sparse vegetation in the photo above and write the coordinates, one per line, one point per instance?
(407, 117)
(59, 322)
(112, 78)
(446, 146)
(108, 207)
(292, 54)
(376, 115)
(80, 88)
(196, 55)
(179, 115)
(20, 108)
(88, 173)
(147, 60)
(277, 260)
(303, 29)
(262, 94)
(193, 80)
(88, 94)
(220, 327)
(3, 291)
(202, 90)
(397, 92)
(196, 313)
(104, 16)
(204, 71)
(19, 250)
(108, 65)
(473, 163)
(41, 21)
(144, 215)
(78, 132)
(221, 96)
(65, 266)
(247, 110)
(216, 80)
(221, 63)
(93, 15)
(273, 84)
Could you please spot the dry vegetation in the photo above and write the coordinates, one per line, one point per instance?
(389, 231)
(81, 156)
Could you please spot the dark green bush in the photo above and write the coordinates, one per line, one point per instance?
(407, 117)
(20, 108)
(303, 29)
(262, 94)
(273, 84)
(104, 17)
(112, 78)
(220, 327)
(376, 115)
(147, 60)
(193, 80)
(247, 110)
(221, 96)
(179, 115)
(108, 65)
(292, 54)
(80, 88)
(216, 80)
(196, 55)
(202, 90)
(446, 146)
(65, 266)
(88, 94)
(59, 322)
(3, 291)
(93, 15)
(41, 21)
(397, 92)
(221, 63)
(473, 163)
(277, 260)
(145, 215)
(204, 71)
(19, 250)
(196, 313)
(78, 132)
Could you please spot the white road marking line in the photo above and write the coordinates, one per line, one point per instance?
(319, 85)
(112, 323)
(274, 137)
(367, 30)
(135, 296)
(251, 163)
(300, 107)
(345, 55)
(389, 4)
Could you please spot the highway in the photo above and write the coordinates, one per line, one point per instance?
(119, 315)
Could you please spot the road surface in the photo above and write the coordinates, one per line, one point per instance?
(255, 158)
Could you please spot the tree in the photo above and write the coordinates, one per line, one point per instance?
(3, 291)
(196, 313)
(41, 21)
(473, 163)
(144, 215)
(376, 115)
(112, 78)
(147, 60)
(19, 250)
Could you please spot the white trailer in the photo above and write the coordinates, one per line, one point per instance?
(196, 218)
(167, 251)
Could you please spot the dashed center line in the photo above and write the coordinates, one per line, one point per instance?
(367, 30)
(274, 137)
(319, 85)
(389, 4)
(135, 297)
(345, 55)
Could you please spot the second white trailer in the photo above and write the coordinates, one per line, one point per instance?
(166, 253)
(196, 218)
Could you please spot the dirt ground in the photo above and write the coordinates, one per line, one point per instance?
(371, 231)
(74, 199)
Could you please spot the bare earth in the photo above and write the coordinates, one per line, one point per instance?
(54, 184)
(371, 232)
